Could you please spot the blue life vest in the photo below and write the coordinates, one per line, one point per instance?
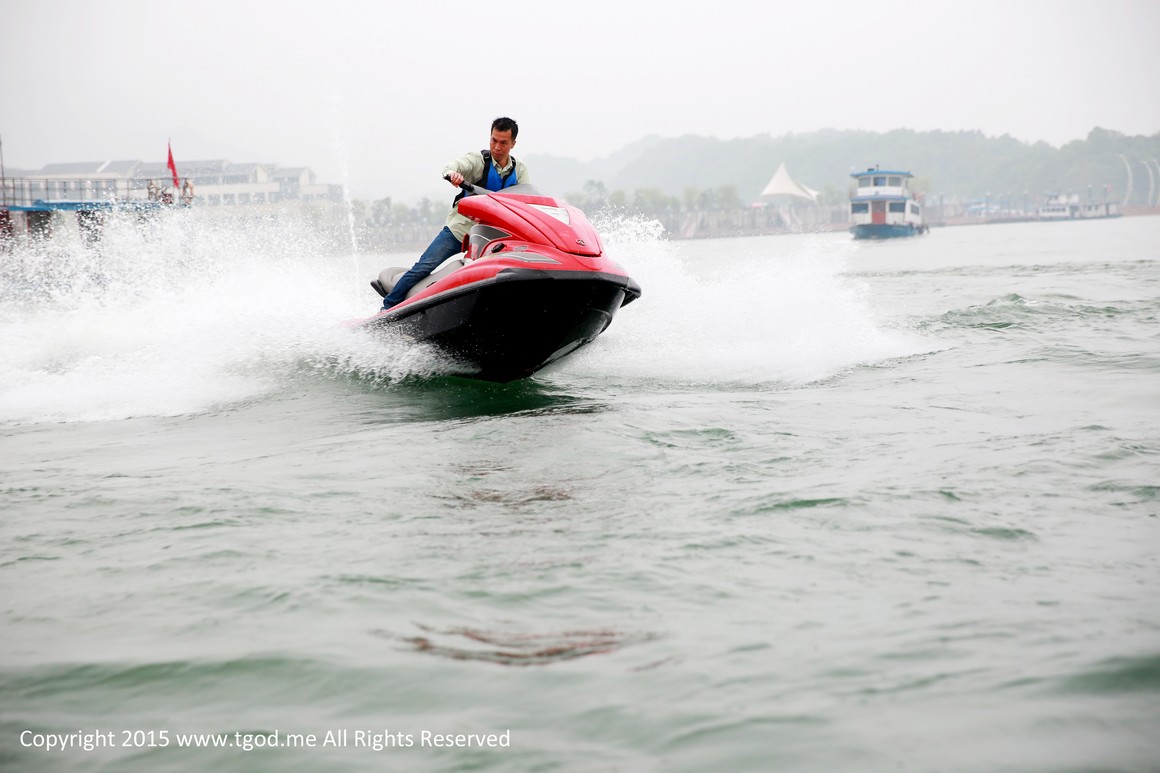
(492, 179)
(491, 176)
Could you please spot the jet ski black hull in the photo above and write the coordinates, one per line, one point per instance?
(511, 325)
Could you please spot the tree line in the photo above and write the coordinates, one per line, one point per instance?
(965, 164)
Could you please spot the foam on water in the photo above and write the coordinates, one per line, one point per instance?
(713, 313)
(178, 316)
(186, 314)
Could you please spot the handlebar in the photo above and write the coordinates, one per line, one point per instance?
(467, 188)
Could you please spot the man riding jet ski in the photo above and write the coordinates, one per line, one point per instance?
(532, 285)
(493, 169)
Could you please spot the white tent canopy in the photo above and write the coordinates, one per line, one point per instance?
(784, 185)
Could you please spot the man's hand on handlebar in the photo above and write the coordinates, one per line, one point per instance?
(455, 178)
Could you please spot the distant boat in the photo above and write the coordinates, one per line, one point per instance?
(1071, 208)
(883, 206)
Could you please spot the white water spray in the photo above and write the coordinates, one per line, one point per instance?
(189, 313)
(180, 314)
(745, 311)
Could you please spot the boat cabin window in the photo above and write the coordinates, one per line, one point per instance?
(863, 182)
(863, 208)
(879, 182)
(914, 209)
(895, 182)
(898, 206)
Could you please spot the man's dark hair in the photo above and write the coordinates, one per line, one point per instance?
(505, 124)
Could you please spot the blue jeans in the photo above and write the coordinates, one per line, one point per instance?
(442, 247)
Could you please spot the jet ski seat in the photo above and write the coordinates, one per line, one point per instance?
(388, 276)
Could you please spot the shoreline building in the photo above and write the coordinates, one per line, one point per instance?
(216, 182)
(90, 188)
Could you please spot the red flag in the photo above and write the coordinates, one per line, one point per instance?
(173, 168)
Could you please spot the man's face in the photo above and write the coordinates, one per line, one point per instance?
(501, 145)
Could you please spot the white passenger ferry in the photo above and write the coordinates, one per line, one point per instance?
(883, 206)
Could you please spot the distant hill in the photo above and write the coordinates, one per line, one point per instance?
(560, 175)
(963, 164)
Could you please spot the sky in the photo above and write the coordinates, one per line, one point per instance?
(378, 96)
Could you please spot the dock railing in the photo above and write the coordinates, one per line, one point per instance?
(41, 193)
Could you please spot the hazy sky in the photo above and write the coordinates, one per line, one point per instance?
(379, 95)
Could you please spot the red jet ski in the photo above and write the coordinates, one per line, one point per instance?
(533, 285)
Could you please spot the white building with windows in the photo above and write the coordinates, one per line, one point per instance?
(216, 182)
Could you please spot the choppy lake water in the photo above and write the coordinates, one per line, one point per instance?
(810, 504)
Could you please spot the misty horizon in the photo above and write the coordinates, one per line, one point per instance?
(641, 145)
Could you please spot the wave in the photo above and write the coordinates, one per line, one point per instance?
(181, 315)
(738, 313)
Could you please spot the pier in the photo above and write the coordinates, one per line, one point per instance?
(37, 200)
